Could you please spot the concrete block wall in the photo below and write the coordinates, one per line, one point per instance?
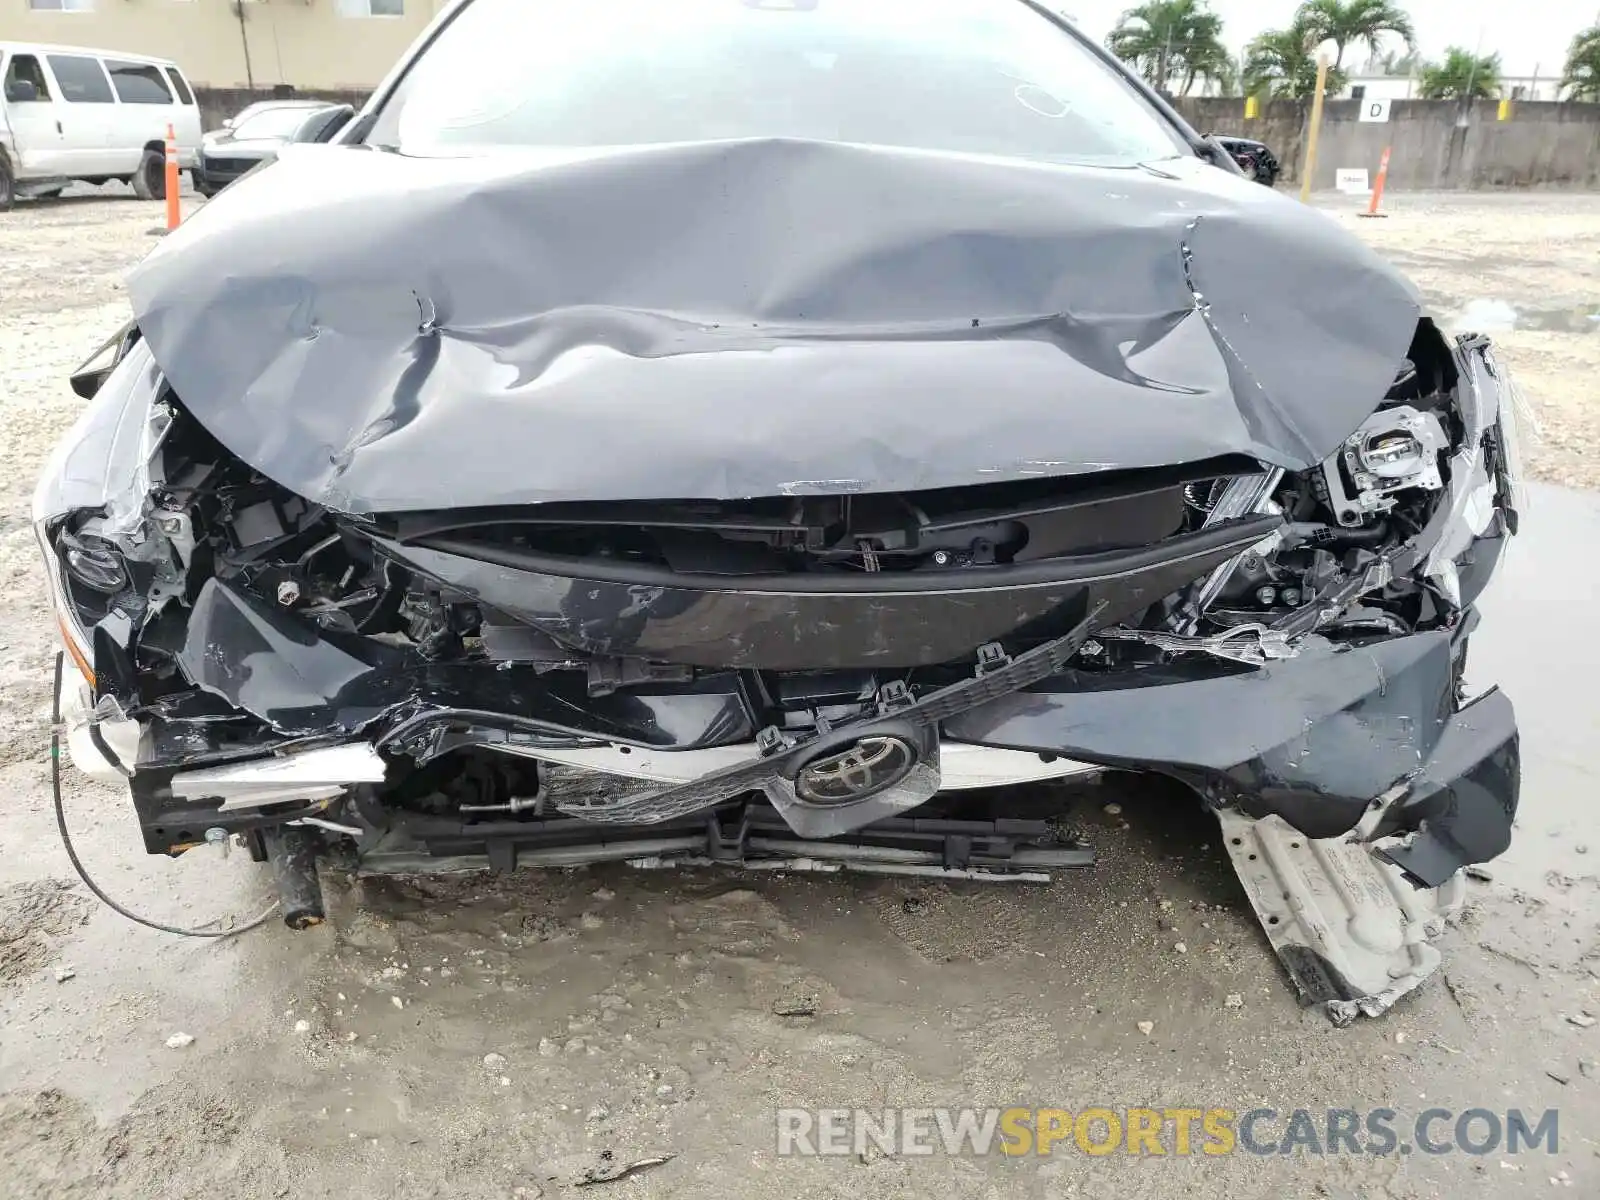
(1437, 144)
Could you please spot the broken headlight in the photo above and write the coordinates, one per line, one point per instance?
(74, 637)
(1403, 524)
(92, 563)
(1393, 450)
(90, 507)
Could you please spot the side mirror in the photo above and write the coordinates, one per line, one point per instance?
(1221, 156)
(228, 124)
(86, 383)
(21, 91)
(88, 378)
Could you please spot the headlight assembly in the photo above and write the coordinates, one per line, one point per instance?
(89, 506)
(94, 563)
(1394, 449)
(74, 637)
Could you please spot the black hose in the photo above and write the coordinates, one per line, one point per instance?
(72, 853)
(1315, 534)
(1375, 536)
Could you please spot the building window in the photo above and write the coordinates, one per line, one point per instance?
(25, 68)
(61, 5)
(1519, 92)
(81, 79)
(372, 8)
(138, 83)
(1358, 92)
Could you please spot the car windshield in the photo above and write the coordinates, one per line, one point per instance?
(272, 123)
(989, 77)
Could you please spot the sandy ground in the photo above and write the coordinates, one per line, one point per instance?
(634, 1014)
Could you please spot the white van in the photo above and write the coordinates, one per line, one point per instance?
(68, 112)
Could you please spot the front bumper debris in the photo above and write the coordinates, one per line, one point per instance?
(1350, 785)
(1463, 801)
(1351, 930)
(1361, 742)
(1333, 741)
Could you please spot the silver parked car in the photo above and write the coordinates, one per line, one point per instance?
(257, 134)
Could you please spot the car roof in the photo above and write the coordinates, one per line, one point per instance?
(92, 51)
(305, 110)
(265, 105)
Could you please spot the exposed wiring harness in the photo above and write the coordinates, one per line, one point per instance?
(72, 853)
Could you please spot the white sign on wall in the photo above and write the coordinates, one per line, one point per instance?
(1376, 109)
(1352, 179)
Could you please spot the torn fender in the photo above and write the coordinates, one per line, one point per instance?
(760, 317)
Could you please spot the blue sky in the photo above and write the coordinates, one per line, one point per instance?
(1525, 32)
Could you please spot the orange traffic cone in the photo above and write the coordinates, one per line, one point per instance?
(174, 213)
(1377, 189)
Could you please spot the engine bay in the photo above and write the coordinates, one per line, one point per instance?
(449, 678)
(210, 516)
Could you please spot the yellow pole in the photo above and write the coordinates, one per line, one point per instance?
(1310, 163)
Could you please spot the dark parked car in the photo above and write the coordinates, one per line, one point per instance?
(259, 133)
(865, 407)
(1255, 159)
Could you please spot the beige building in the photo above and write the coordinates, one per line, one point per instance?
(307, 44)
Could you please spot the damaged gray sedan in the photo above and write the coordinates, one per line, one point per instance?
(732, 432)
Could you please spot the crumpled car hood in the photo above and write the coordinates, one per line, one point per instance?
(733, 319)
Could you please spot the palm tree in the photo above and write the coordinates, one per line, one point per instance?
(1209, 62)
(1225, 74)
(1582, 75)
(1282, 62)
(1462, 75)
(1346, 22)
(1167, 39)
(1394, 63)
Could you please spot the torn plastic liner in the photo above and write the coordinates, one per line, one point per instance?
(1351, 930)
